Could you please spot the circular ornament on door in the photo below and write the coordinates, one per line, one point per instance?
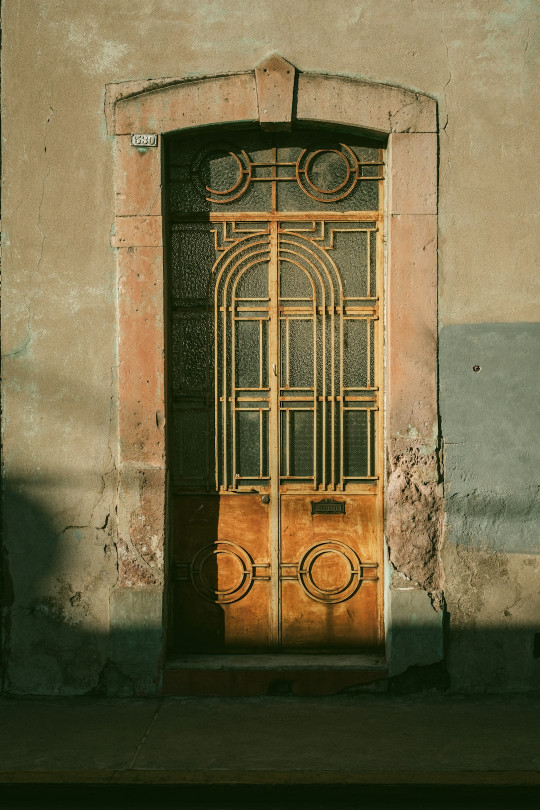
(327, 174)
(330, 572)
(222, 172)
(222, 572)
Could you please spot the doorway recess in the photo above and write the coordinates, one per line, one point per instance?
(313, 107)
(275, 254)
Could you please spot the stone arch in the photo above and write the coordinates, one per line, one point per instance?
(276, 96)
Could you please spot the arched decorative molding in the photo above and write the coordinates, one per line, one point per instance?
(277, 96)
(266, 95)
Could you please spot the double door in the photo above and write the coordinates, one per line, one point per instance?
(276, 506)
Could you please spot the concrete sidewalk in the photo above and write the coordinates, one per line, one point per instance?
(364, 739)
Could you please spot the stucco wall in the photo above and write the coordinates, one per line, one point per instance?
(478, 59)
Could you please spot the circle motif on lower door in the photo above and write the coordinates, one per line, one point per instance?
(222, 572)
(330, 572)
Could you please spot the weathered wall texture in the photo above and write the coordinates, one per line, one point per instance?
(68, 568)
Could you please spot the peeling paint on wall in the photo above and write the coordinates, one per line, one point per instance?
(414, 512)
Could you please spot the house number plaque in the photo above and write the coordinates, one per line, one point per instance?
(328, 507)
(144, 140)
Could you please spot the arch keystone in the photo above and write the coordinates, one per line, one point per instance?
(275, 78)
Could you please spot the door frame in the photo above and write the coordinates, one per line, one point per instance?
(276, 95)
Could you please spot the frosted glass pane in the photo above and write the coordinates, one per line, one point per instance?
(355, 443)
(372, 381)
(297, 353)
(247, 443)
(190, 445)
(294, 282)
(354, 353)
(253, 283)
(373, 265)
(350, 254)
(365, 153)
(373, 456)
(192, 256)
(298, 451)
(189, 197)
(189, 356)
(366, 196)
(247, 354)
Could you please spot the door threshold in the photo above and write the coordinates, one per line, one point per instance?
(281, 661)
(245, 675)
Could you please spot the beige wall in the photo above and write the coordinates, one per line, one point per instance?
(477, 58)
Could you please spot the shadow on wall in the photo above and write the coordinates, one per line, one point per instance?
(55, 600)
(56, 638)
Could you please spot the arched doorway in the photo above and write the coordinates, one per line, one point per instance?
(142, 115)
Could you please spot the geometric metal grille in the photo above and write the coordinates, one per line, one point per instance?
(279, 301)
(324, 362)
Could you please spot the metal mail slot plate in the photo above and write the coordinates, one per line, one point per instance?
(328, 507)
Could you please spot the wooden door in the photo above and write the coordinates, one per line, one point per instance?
(274, 263)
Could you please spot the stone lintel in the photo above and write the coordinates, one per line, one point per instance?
(267, 94)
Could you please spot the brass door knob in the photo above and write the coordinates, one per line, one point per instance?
(265, 499)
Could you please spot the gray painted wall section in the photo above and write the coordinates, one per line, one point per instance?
(490, 423)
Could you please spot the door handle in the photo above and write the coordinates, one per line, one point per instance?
(274, 369)
(265, 498)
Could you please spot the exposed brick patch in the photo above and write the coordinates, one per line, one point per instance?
(133, 571)
(146, 522)
(414, 511)
(140, 543)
